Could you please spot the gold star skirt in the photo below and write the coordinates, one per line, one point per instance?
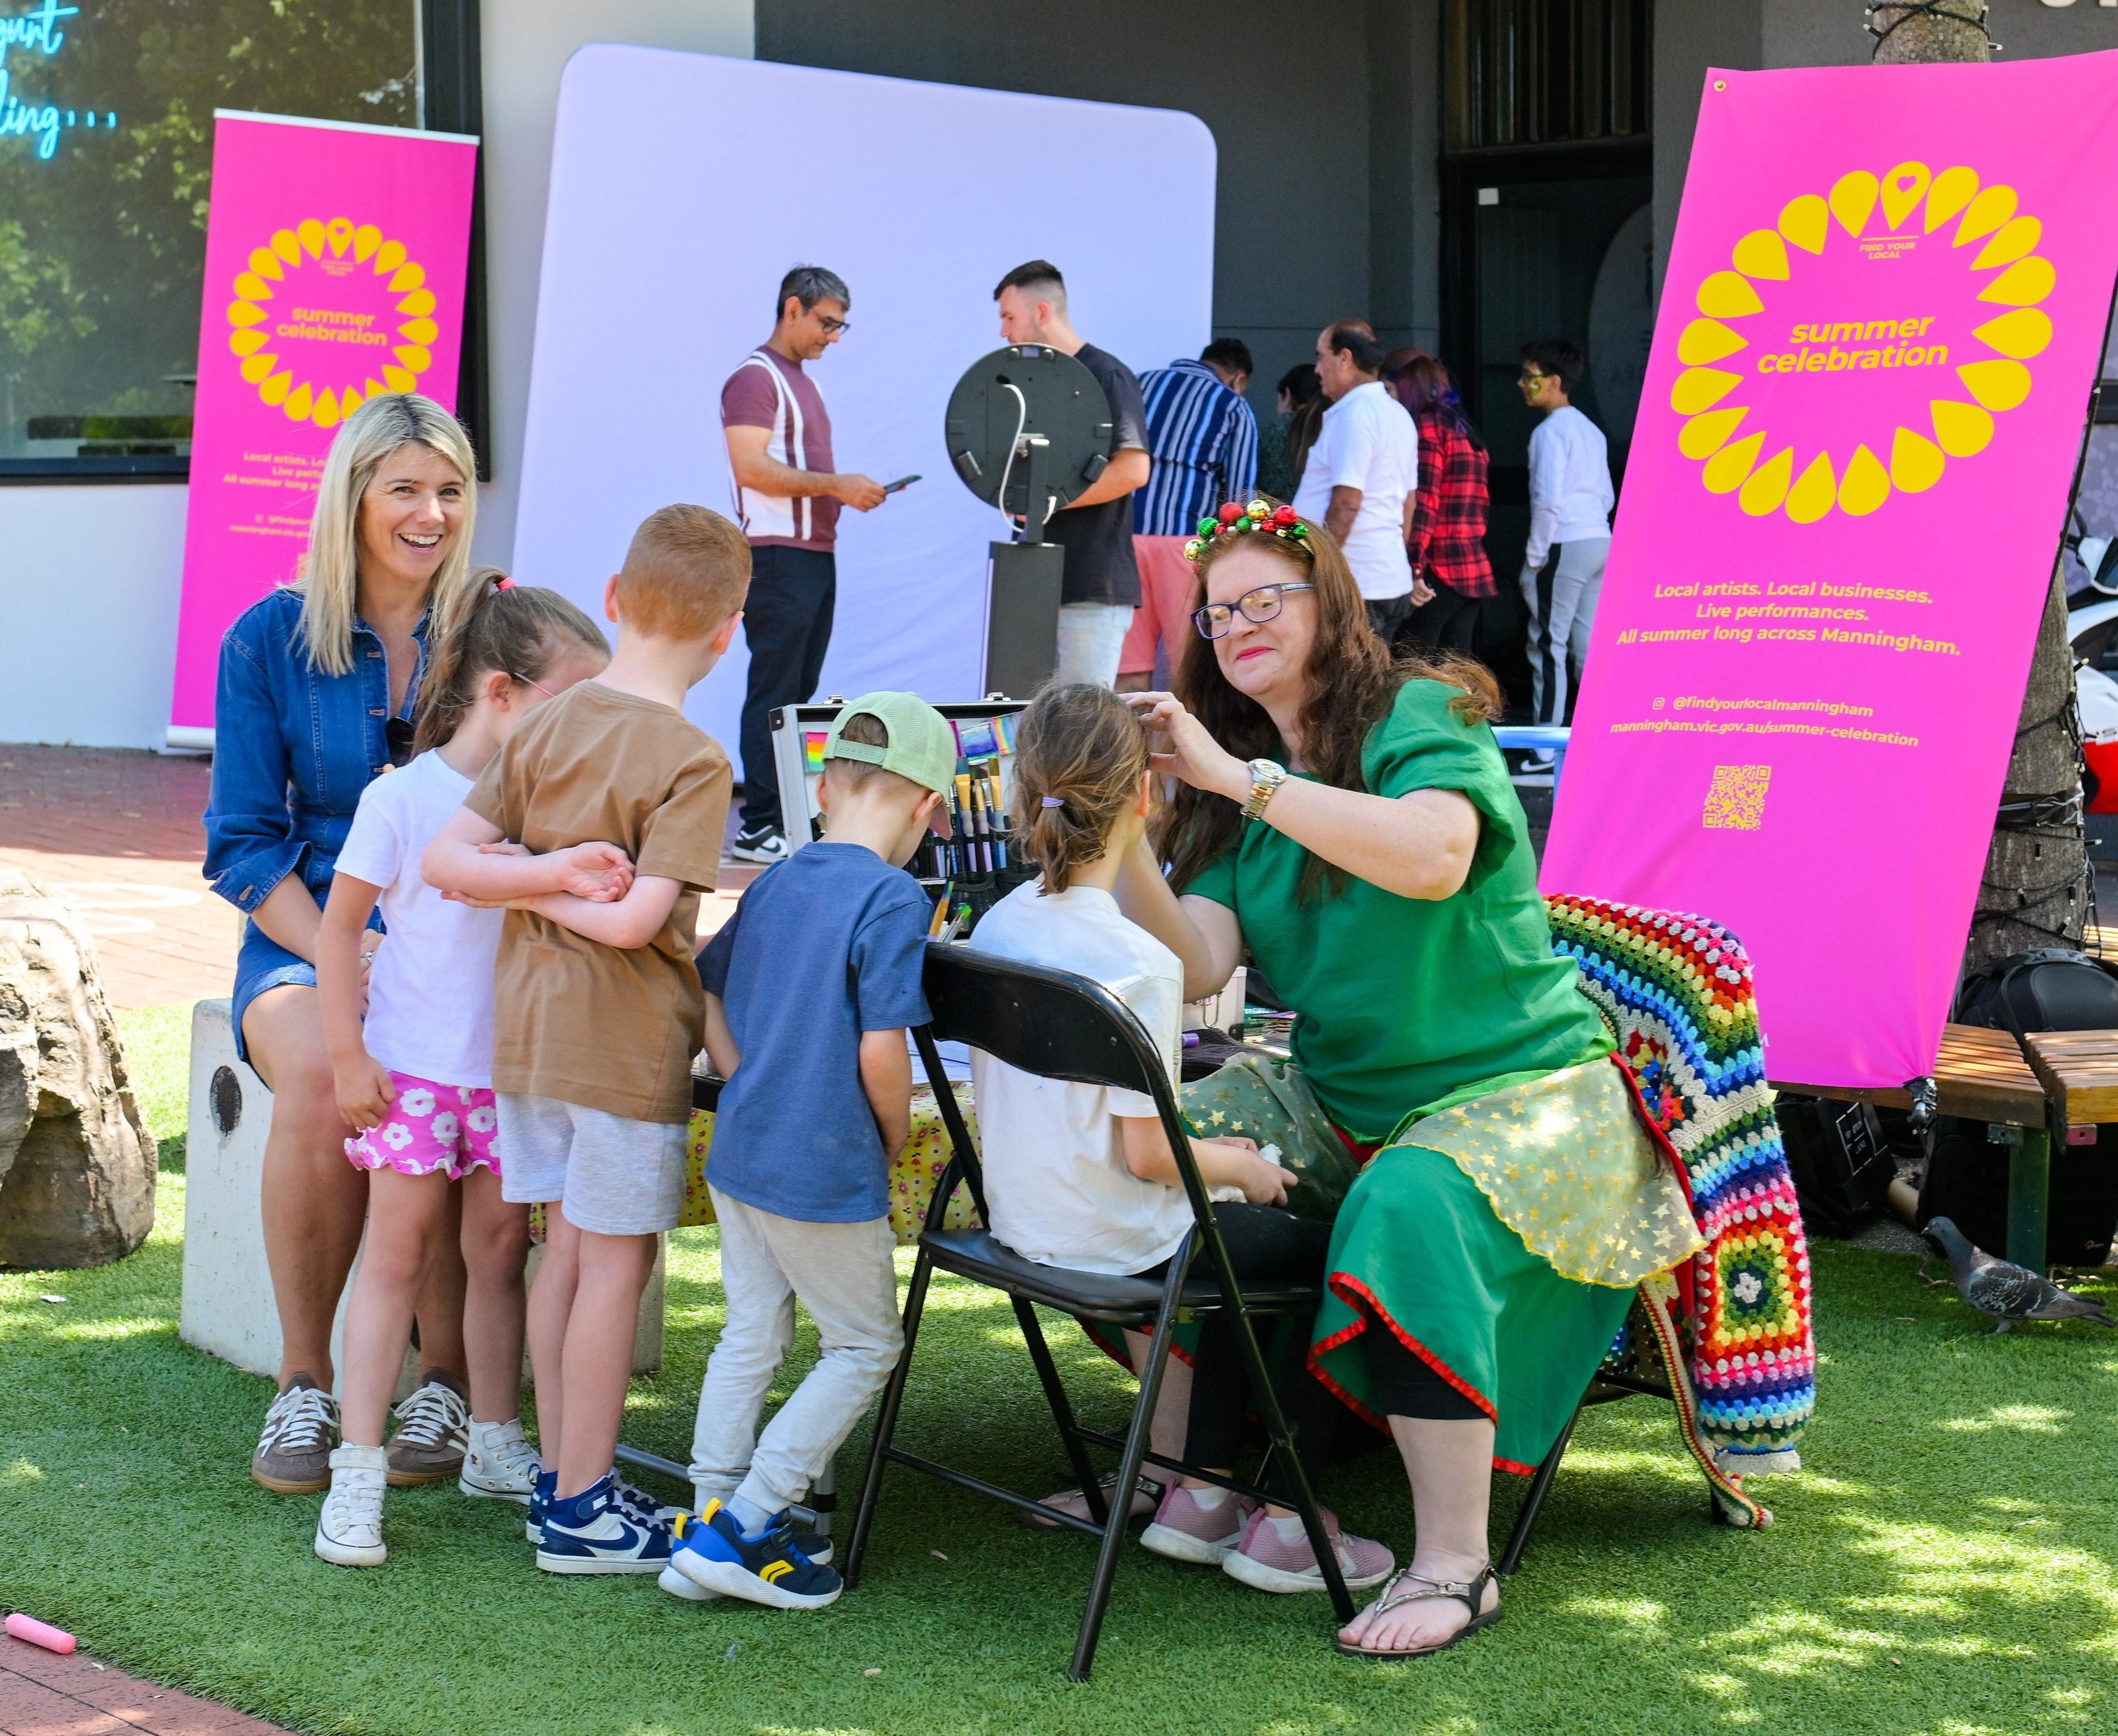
(1571, 1169)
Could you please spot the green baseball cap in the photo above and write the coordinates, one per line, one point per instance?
(922, 747)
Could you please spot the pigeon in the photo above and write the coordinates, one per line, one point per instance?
(2006, 1292)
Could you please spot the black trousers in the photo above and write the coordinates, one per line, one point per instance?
(1448, 621)
(1387, 615)
(1264, 1242)
(787, 625)
(1400, 1383)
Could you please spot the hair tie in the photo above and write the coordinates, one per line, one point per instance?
(1051, 802)
(503, 582)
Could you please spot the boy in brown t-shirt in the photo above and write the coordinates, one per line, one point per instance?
(598, 1007)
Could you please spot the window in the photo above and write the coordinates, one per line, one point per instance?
(106, 136)
(1544, 71)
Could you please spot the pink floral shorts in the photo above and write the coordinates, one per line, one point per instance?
(430, 1128)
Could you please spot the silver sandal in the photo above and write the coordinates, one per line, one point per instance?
(1468, 1593)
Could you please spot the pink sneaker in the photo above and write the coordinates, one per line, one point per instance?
(1264, 1562)
(1184, 1531)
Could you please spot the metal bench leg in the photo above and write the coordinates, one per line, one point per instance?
(2029, 1190)
(1539, 1485)
(885, 1421)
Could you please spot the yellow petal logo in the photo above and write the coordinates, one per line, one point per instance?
(2005, 280)
(344, 298)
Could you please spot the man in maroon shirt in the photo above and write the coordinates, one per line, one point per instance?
(787, 499)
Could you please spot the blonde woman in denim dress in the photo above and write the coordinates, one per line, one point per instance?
(317, 687)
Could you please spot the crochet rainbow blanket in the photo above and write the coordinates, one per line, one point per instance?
(1676, 991)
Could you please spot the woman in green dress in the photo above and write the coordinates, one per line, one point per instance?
(1348, 822)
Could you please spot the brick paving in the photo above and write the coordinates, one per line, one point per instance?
(43, 1694)
(117, 833)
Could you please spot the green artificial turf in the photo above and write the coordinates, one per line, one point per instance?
(1945, 1566)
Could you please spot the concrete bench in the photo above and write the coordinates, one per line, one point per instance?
(228, 1309)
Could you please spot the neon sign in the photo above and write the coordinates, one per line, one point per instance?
(38, 32)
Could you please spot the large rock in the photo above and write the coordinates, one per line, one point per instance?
(76, 1166)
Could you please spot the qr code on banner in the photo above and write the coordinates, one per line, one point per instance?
(1736, 800)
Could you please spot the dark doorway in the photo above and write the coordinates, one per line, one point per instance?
(1545, 191)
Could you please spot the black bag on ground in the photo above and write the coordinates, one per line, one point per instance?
(1966, 1180)
(2052, 989)
(1841, 1165)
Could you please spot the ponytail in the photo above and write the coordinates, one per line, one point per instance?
(1079, 755)
(518, 629)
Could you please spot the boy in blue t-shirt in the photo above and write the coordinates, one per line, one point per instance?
(809, 990)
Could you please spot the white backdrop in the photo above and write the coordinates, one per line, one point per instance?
(683, 185)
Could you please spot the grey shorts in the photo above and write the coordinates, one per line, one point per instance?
(609, 1175)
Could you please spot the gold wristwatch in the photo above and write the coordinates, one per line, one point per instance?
(1266, 776)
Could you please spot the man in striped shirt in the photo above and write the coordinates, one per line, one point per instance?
(1204, 442)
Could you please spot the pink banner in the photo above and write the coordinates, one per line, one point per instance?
(335, 258)
(1881, 321)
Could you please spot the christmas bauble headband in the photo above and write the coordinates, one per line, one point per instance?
(1234, 518)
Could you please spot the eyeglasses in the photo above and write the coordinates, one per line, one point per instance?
(833, 327)
(1260, 605)
(400, 733)
(538, 685)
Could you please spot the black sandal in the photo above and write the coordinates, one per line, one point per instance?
(1469, 1594)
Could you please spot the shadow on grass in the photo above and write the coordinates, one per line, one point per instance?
(1957, 1521)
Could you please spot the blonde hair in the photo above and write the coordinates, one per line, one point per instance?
(1079, 755)
(686, 571)
(331, 571)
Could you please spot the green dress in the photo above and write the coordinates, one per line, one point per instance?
(1408, 1008)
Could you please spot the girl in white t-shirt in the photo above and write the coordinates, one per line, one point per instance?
(414, 1078)
(1084, 1176)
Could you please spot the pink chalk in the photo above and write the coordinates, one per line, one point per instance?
(40, 1633)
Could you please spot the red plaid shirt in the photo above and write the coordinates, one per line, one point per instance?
(1449, 517)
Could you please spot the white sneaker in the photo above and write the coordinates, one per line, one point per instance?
(765, 847)
(499, 1463)
(349, 1529)
(678, 1585)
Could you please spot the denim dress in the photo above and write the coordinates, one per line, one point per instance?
(293, 748)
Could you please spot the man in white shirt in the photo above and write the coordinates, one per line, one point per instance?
(1363, 472)
(1570, 499)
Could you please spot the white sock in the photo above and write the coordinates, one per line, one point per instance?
(753, 1520)
(1290, 1530)
(1208, 1500)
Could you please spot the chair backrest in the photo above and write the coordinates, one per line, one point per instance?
(1049, 1023)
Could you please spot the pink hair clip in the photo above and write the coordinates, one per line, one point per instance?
(503, 584)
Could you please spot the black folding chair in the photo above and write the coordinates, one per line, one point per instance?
(1064, 1027)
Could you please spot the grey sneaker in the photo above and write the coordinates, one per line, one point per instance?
(294, 1449)
(434, 1433)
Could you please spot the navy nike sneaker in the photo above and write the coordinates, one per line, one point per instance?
(813, 1544)
(714, 1553)
(593, 1533)
(542, 1487)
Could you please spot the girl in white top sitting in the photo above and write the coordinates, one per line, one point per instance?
(1083, 1177)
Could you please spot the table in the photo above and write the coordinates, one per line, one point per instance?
(1981, 1075)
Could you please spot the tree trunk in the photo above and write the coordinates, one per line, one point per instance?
(2035, 889)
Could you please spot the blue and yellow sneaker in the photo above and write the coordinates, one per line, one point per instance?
(714, 1553)
(813, 1544)
(593, 1533)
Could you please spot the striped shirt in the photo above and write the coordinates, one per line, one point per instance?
(1203, 439)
